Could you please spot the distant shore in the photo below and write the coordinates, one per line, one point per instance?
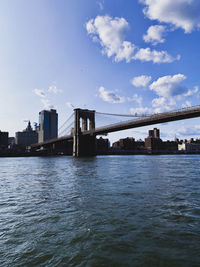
(107, 153)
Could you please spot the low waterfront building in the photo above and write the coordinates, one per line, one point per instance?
(3, 140)
(170, 145)
(102, 144)
(189, 147)
(11, 142)
(128, 143)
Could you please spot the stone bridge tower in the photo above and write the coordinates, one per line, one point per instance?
(84, 144)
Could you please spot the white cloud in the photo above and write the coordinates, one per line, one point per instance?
(110, 33)
(138, 99)
(69, 105)
(141, 81)
(188, 131)
(162, 104)
(192, 92)
(39, 92)
(187, 104)
(146, 54)
(155, 34)
(170, 90)
(100, 4)
(46, 103)
(110, 96)
(183, 14)
(54, 89)
(141, 111)
(168, 86)
(125, 52)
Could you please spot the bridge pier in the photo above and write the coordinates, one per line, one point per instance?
(84, 145)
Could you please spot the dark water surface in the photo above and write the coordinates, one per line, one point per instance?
(103, 211)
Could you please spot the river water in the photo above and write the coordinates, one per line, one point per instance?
(102, 211)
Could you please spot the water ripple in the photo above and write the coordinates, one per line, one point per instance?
(103, 211)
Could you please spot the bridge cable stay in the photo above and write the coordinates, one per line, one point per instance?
(67, 130)
(70, 117)
(66, 126)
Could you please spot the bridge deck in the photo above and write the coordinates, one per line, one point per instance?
(153, 119)
(53, 141)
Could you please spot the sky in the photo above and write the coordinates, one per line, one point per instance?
(117, 56)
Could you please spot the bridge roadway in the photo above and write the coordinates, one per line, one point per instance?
(187, 113)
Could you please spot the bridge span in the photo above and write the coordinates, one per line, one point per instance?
(84, 139)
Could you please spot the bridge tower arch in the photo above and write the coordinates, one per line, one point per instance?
(84, 145)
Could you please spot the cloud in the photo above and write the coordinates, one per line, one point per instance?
(141, 81)
(192, 92)
(138, 99)
(188, 131)
(162, 104)
(141, 111)
(125, 52)
(110, 33)
(69, 105)
(187, 104)
(54, 89)
(155, 34)
(168, 86)
(100, 5)
(39, 92)
(146, 54)
(183, 14)
(46, 103)
(170, 90)
(161, 101)
(110, 96)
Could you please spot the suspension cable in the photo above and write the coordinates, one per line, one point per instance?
(123, 115)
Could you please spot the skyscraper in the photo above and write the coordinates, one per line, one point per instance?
(48, 125)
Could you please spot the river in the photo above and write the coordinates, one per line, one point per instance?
(103, 211)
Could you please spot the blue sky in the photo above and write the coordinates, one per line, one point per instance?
(112, 56)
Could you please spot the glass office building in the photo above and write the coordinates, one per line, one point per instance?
(48, 125)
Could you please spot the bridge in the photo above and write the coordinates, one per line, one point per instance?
(83, 138)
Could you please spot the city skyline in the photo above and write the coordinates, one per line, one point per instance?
(102, 55)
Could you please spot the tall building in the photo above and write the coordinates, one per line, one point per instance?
(48, 125)
(155, 133)
(27, 137)
(153, 141)
(3, 140)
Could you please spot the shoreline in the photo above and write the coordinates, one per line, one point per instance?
(109, 153)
